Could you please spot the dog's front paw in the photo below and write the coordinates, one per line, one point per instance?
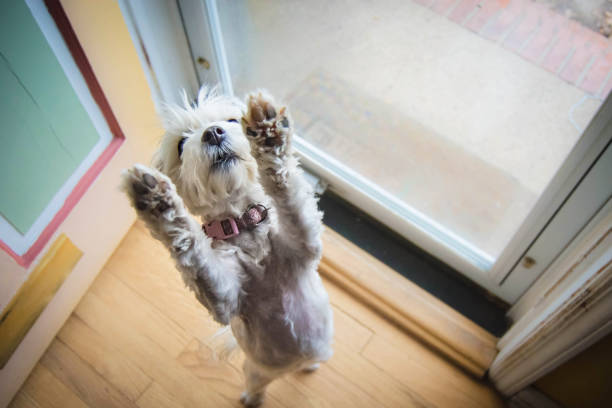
(267, 127)
(149, 190)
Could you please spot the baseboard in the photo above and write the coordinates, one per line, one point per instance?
(406, 305)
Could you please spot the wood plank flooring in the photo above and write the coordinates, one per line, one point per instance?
(138, 338)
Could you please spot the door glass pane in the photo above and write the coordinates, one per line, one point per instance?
(461, 109)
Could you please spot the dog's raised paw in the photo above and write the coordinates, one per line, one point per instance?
(267, 127)
(149, 190)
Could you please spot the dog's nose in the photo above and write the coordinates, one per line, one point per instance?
(214, 135)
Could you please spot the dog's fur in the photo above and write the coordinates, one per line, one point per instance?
(263, 282)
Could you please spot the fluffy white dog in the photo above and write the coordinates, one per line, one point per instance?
(253, 264)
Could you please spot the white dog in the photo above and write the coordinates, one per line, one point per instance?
(253, 264)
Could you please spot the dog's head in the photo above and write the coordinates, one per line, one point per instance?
(204, 150)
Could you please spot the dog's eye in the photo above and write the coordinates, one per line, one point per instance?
(233, 120)
(180, 145)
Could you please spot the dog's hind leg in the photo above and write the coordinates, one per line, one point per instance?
(269, 131)
(256, 382)
(213, 277)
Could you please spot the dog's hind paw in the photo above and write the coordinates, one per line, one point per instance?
(311, 368)
(150, 191)
(267, 128)
(252, 400)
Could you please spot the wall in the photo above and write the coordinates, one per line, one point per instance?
(585, 381)
(101, 218)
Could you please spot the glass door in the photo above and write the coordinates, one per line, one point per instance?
(446, 120)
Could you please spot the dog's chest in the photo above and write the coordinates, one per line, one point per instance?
(296, 302)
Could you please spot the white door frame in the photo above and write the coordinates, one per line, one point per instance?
(505, 277)
(565, 207)
(569, 310)
(590, 196)
(156, 28)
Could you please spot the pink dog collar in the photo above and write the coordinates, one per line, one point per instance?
(230, 227)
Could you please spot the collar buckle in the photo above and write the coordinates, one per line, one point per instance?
(223, 229)
(231, 227)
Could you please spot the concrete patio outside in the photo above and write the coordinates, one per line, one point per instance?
(464, 109)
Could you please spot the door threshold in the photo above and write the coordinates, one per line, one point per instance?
(415, 264)
(407, 306)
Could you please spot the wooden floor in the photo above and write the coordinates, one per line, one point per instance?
(138, 339)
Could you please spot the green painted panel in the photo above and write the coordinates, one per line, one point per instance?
(45, 133)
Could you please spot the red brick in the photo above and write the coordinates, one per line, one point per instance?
(462, 10)
(587, 45)
(564, 44)
(549, 24)
(594, 79)
(488, 10)
(442, 6)
(577, 63)
(504, 20)
(534, 15)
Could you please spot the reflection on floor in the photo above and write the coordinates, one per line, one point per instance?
(138, 338)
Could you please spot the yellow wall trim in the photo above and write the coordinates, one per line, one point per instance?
(34, 295)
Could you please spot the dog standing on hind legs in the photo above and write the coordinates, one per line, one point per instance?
(253, 264)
